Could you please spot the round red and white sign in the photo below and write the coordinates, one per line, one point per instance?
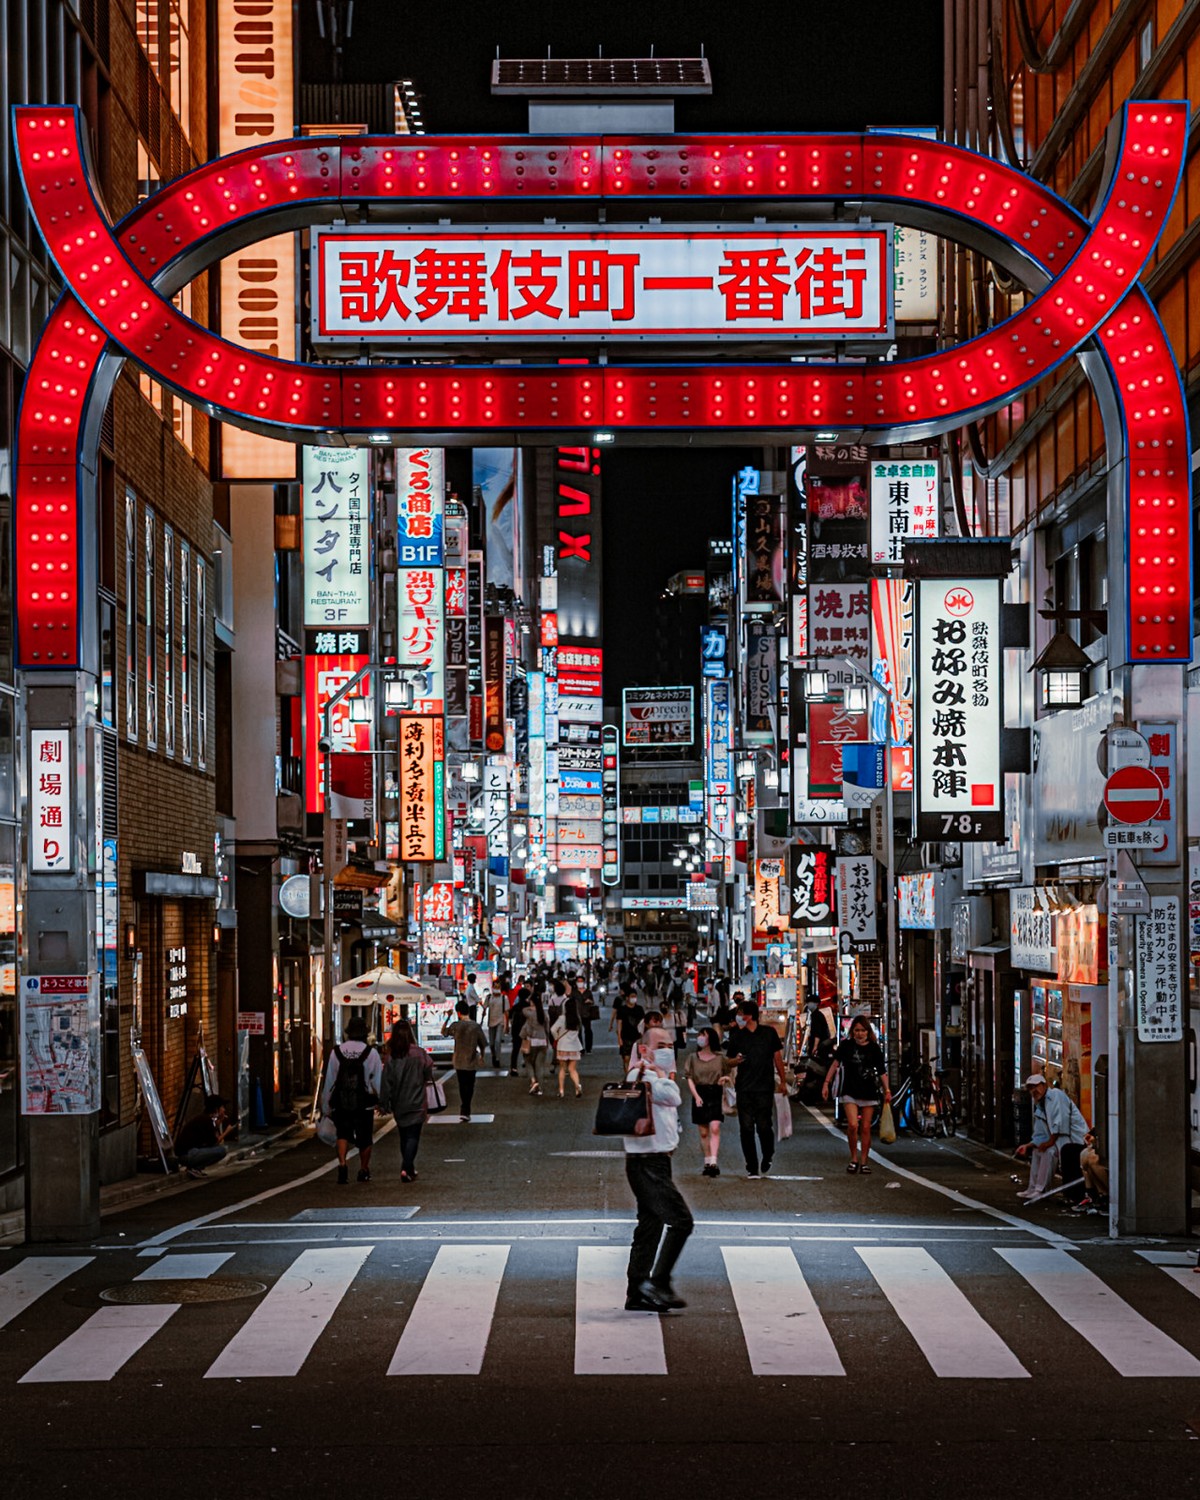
(959, 602)
(1133, 794)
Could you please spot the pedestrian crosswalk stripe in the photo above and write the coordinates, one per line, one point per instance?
(783, 1329)
(1130, 1343)
(447, 1330)
(452, 1326)
(1180, 1266)
(283, 1328)
(951, 1335)
(112, 1336)
(608, 1340)
(33, 1278)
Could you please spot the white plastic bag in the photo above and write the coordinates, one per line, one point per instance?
(783, 1117)
(327, 1131)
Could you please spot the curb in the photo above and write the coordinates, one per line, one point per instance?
(143, 1187)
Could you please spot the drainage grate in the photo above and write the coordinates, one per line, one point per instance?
(211, 1289)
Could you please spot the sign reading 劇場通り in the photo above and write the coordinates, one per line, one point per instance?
(412, 285)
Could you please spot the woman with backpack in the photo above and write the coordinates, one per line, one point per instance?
(402, 1092)
(350, 1095)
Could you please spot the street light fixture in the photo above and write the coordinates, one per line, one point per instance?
(816, 683)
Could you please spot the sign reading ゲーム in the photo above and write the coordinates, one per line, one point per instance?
(407, 284)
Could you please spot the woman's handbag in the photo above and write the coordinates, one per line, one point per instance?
(435, 1097)
(624, 1109)
(327, 1131)
(887, 1125)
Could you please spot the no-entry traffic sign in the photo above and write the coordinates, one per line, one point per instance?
(1133, 794)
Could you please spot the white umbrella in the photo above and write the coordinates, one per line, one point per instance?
(383, 985)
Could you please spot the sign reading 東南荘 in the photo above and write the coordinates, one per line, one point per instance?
(337, 537)
(421, 285)
(960, 788)
(904, 503)
(1158, 982)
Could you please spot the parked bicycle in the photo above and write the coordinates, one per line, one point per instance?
(924, 1103)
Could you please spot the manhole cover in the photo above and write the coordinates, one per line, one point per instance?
(212, 1289)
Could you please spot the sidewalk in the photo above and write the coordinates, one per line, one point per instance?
(147, 1185)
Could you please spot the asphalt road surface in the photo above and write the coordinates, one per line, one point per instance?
(915, 1332)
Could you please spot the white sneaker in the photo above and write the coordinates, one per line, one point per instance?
(1028, 1193)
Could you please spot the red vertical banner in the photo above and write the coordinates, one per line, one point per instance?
(324, 678)
(830, 726)
(493, 684)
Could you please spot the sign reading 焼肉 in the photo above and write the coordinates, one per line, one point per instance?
(960, 788)
(409, 285)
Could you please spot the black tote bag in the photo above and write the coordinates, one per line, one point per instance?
(624, 1109)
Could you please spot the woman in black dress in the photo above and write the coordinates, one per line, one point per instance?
(705, 1070)
(862, 1088)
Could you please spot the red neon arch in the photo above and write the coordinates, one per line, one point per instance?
(105, 272)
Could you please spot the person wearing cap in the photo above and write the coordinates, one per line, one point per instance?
(1059, 1131)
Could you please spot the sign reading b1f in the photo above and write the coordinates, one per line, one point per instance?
(959, 783)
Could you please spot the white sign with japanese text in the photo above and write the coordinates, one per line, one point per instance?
(50, 801)
(839, 622)
(960, 787)
(1158, 982)
(1031, 925)
(416, 284)
(904, 503)
(337, 537)
(854, 880)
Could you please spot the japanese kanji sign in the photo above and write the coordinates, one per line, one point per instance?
(838, 528)
(421, 610)
(960, 788)
(1158, 975)
(428, 285)
(770, 917)
(718, 741)
(762, 565)
(420, 506)
(855, 878)
(810, 888)
(830, 726)
(50, 801)
(324, 677)
(839, 621)
(337, 537)
(904, 503)
(422, 814)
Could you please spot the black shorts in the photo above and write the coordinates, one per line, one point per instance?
(356, 1125)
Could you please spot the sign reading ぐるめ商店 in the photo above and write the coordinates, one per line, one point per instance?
(419, 285)
(960, 787)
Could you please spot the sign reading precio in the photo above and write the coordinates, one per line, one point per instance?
(412, 285)
(657, 716)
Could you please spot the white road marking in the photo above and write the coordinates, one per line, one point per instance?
(1129, 1342)
(112, 1336)
(784, 1332)
(33, 1278)
(609, 1340)
(283, 1328)
(167, 1235)
(1180, 1266)
(450, 1118)
(952, 1336)
(447, 1330)
(1051, 1236)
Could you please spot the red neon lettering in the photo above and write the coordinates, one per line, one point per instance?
(575, 546)
(581, 501)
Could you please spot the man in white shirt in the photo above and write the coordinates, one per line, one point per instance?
(472, 998)
(660, 1205)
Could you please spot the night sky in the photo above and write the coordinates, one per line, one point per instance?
(775, 66)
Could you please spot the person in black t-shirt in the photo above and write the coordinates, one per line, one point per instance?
(863, 1088)
(757, 1053)
(627, 1018)
(201, 1142)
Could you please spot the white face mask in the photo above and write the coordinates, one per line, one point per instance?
(741, 1020)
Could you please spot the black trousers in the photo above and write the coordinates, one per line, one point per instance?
(756, 1116)
(1069, 1169)
(587, 1035)
(466, 1088)
(660, 1207)
(410, 1139)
